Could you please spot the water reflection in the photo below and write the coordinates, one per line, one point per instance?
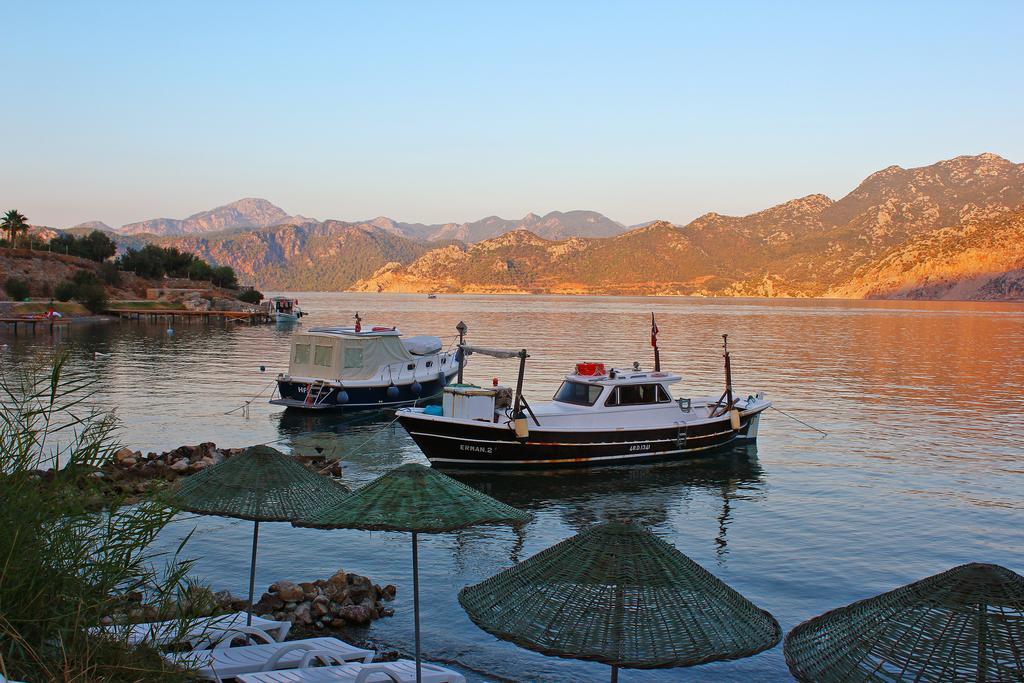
(645, 494)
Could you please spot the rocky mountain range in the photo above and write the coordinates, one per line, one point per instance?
(328, 255)
(254, 213)
(245, 213)
(555, 225)
(920, 232)
(948, 230)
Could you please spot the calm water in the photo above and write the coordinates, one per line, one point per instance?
(921, 470)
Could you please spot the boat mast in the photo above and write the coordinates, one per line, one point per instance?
(461, 327)
(654, 343)
(728, 371)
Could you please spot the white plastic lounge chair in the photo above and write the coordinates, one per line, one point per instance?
(402, 671)
(223, 661)
(165, 632)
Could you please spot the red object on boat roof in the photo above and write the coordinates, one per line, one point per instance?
(378, 328)
(590, 369)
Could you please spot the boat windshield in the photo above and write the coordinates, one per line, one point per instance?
(578, 393)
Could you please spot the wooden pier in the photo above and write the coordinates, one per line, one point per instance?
(48, 323)
(185, 315)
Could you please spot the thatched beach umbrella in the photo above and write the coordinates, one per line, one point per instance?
(966, 623)
(417, 499)
(260, 484)
(616, 593)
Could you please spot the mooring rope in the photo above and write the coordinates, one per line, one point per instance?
(796, 419)
(360, 446)
(249, 402)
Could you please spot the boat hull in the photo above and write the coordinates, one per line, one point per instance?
(461, 444)
(298, 395)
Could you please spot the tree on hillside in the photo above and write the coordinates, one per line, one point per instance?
(14, 223)
(224, 276)
(96, 246)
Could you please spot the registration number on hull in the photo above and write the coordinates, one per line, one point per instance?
(476, 449)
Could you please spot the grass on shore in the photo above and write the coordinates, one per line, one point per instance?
(65, 565)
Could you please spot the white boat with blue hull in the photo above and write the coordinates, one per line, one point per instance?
(363, 368)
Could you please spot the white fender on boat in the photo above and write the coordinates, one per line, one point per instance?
(522, 428)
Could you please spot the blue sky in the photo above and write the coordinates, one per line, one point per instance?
(453, 111)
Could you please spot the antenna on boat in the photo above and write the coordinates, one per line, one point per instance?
(461, 327)
(654, 343)
(359, 322)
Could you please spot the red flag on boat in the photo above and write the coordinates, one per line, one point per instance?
(654, 332)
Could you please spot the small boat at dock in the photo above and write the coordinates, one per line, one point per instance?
(362, 368)
(284, 309)
(598, 416)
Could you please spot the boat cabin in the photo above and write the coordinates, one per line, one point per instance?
(342, 353)
(282, 304)
(591, 385)
(589, 388)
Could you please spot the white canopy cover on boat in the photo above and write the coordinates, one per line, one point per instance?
(422, 346)
(333, 356)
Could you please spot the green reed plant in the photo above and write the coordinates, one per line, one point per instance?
(67, 563)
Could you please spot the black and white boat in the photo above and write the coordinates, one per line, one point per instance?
(359, 368)
(597, 417)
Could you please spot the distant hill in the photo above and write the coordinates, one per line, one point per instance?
(89, 226)
(329, 255)
(940, 214)
(554, 225)
(245, 213)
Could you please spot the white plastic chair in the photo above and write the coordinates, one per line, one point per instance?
(402, 671)
(167, 632)
(223, 661)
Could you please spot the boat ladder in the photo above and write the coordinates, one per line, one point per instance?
(315, 400)
(681, 436)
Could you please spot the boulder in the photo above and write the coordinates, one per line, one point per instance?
(388, 592)
(338, 578)
(335, 592)
(180, 465)
(302, 614)
(289, 592)
(320, 607)
(196, 304)
(359, 587)
(356, 614)
(271, 601)
(124, 454)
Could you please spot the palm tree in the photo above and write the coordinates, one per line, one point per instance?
(14, 222)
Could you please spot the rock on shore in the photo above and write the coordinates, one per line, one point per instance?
(342, 600)
(131, 471)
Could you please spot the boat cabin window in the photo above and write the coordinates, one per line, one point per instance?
(637, 394)
(353, 357)
(322, 356)
(301, 354)
(579, 393)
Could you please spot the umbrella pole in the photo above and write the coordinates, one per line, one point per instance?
(615, 674)
(252, 570)
(416, 604)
